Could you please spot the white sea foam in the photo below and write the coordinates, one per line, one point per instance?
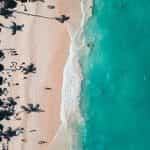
(72, 71)
(72, 77)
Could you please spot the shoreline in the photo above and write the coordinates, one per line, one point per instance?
(57, 67)
(72, 78)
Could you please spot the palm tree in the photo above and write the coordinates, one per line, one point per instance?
(7, 7)
(61, 18)
(6, 12)
(14, 27)
(32, 108)
(29, 14)
(11, 4)
(29, 69)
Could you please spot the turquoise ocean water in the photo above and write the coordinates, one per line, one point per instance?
(115, 96)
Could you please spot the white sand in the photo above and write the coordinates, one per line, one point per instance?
(66, 138)
(44, 43)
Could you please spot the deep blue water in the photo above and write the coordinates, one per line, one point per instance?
(115, 96)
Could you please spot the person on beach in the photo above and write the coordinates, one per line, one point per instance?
(48, 88)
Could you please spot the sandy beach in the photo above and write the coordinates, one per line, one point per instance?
(46, 44)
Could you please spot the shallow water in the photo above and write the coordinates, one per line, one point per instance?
(115, 97)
